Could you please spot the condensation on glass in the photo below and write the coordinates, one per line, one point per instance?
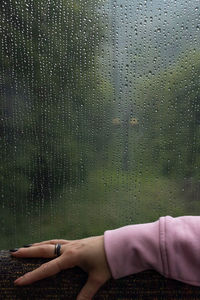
(99, 115)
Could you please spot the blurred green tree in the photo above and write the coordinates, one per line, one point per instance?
(168, 107)
(54, 103)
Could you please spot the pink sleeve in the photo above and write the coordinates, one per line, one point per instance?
(171, 246)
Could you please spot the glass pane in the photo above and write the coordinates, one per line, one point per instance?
(100, 115)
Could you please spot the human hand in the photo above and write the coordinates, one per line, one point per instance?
(88, 254)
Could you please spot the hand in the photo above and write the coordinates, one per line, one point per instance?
(86, 253)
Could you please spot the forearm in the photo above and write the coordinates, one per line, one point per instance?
(169, 245)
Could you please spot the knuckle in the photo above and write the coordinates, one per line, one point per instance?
(43, 250)
(55, 241)
(52, 241)
(59, 266)
(71, 256)
(44, 267)
(71, 252)
(26, 276)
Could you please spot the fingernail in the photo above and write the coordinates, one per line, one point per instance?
(14, 250)
(26, 246)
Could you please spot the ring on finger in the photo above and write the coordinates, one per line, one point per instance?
(57, 249)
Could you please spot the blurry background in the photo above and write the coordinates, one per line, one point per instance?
(99, 115)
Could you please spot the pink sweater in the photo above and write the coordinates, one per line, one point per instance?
(171, 246)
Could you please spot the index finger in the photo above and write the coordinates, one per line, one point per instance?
(47, 269)
(52, 242)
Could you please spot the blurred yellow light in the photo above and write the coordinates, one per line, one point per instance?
(116, 121)
(133, 121)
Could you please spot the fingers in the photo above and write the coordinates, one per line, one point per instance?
(45, 251)
(48, 269)
(53, 242)
(90, 288)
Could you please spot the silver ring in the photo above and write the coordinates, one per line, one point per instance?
(57, 249)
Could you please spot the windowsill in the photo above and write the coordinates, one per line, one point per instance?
(67, 284)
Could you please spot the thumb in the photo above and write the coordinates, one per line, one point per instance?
(90, 288)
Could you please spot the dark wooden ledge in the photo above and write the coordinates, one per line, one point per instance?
(67, 284)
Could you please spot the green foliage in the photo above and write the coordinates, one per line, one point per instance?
(168, 107)
(102, 203)
(51, 123)
(63, 127)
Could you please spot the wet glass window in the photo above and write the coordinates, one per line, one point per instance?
(99, 115)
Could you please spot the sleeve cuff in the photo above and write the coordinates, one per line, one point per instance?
(132, 249)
